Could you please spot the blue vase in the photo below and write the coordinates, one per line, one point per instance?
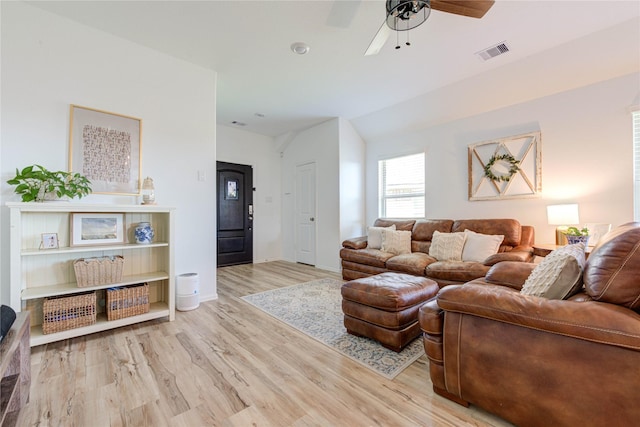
(572, 240)
(144, 233)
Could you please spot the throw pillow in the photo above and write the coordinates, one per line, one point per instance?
(559, 275)
(447, 246)
(478, 247)
(374, 236)
(396, 242)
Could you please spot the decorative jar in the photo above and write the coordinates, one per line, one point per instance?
(144, 233)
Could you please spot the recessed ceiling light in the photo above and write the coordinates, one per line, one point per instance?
(259, 115)
(300, 48)
(237, 123)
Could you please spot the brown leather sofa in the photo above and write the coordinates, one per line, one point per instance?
(540, 362)
(359, 261)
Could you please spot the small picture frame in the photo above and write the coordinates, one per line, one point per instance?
(49, 241)
(596, 231)
(97, 229)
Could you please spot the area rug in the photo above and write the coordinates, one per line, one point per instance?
(315, 308)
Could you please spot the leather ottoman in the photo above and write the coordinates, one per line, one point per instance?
(385, 307)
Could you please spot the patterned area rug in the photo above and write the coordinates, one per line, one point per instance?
(315, 308)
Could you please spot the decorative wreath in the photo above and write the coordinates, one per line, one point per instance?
(513, 168)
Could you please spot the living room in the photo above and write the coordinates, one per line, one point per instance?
(578, 95)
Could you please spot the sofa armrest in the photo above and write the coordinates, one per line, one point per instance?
(509, 273)
(513, 255)
(355, 243)
(590, 320)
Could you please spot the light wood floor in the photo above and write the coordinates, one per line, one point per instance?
(227, 364)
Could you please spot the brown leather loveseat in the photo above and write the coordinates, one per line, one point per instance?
(360, 260)
(541, 362)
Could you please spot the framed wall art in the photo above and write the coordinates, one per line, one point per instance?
(506, 168)
(107, 149)
(97, 229)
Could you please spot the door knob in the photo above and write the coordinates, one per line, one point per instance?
(312, 219)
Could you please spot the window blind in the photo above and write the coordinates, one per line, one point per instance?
(401, 187)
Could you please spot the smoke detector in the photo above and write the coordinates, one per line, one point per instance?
(300, 48)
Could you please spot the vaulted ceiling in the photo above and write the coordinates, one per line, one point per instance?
(265, 86)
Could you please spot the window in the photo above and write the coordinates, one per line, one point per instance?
(401, 187)
(636, 165)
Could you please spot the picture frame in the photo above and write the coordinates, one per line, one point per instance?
(107, 149)
(596, 231)
(49, 241)
(97, 229)
(505, 168)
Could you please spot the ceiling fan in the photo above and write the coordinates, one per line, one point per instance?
(403, 15)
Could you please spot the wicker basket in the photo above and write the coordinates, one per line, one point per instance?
(98, 271)
(68, 312)
(126, 302)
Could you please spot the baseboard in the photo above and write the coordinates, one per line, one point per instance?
(204, 298)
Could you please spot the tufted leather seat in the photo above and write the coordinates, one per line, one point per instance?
(385, 307)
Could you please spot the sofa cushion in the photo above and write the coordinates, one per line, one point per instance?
(413, 263)
(423, 233)
(611, 271)
(559, 275)
(374, 236)
(455, 271)
(423, 229)
(371, 257)
(478, 247)
(396, 242)
(401, 224)
(447, 246)
(509, 228)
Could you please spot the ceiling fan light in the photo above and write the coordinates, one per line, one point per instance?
(403, 15)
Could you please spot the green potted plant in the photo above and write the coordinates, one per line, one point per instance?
(36, 183)
(577, 235)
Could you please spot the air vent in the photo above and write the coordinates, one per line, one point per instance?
(493, 51)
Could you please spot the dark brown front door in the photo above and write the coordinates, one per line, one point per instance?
(235, 214)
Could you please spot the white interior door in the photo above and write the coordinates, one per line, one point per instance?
(306, 213)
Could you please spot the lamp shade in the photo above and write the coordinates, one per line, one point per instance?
(563, 214)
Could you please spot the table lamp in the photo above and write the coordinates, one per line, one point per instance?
(562, 216)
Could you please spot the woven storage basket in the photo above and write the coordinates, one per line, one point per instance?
(98, 271)
(69, 312)
(126, 302)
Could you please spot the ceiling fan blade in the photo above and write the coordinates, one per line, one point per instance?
(471, 8)
(378, 40)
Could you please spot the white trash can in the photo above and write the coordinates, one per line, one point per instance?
(187, 290)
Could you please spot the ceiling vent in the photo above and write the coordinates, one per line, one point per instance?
(493, 51)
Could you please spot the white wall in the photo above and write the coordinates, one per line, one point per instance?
(318, 144)
(247, 148)
(49, 62)
(586, 156)
(352, 181)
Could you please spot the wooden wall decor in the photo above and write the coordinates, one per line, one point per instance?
(506, 168)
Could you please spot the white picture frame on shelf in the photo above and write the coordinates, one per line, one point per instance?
(49, 241)
(97, 229)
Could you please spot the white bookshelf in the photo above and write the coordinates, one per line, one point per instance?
(40, 273)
